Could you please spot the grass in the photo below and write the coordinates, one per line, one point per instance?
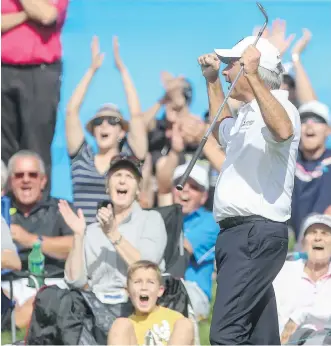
(203, 328)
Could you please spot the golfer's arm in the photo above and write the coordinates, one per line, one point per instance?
(273, 113)
(215, 99)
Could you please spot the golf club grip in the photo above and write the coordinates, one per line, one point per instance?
(190, 166)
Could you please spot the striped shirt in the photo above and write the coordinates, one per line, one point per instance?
(89, 186)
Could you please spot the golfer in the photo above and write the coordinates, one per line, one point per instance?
(252, 202)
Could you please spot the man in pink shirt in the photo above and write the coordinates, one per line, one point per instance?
(31, 74)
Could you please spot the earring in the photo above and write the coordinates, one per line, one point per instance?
(119, 140)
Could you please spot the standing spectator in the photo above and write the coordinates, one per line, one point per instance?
(312, 184)
(31, 71)
(109, 128)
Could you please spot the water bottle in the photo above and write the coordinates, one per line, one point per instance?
(36, 264)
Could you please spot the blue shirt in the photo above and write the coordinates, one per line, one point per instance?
(201, 230)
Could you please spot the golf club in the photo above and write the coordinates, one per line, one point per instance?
(197, 153)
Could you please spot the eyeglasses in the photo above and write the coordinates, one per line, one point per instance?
(110, 119)
(191, 183)
(313, 118)
(21, 175)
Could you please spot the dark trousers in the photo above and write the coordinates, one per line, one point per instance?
(29, 102)
(249, 255)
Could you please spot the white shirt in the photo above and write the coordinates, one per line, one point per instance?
(257, 176)
(302, 300)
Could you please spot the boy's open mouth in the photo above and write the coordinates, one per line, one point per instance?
(143, 298)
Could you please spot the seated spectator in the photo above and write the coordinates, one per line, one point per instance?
(150, 324)
(36, 218)
(109, 129)
(303, 287)
(122, 235)
(200, 233)
(311, 193)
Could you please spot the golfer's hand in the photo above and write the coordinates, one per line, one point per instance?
(250, 60)
(210, 66)
(105, 217)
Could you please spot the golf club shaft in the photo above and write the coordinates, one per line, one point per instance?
(202, 143)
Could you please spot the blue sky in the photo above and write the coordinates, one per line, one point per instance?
(157, 35)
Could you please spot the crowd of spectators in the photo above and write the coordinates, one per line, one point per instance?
(136, 167)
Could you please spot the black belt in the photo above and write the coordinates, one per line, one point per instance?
(239, 220)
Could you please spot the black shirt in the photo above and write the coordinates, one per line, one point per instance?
(44, 220)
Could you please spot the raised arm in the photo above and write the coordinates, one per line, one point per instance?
(74, 128)
(273, 113)
(304, 90)
(210, 66)
(137, 135)
(12, 20)
(43, 11)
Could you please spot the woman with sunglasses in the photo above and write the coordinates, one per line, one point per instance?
(109, 129)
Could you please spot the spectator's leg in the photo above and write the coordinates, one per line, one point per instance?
(39, 103)
(122, 333)
(183, 333)
(10, 120)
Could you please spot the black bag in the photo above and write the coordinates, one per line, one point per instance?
(175, 296)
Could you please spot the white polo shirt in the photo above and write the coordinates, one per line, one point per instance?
(302, 300)
(257, 176)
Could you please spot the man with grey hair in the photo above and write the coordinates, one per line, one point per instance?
(252, 202)
(34, 217)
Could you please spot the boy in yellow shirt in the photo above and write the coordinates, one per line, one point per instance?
(150, 324)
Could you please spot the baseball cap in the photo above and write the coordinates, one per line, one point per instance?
(314, 219)
(198, 174)
(270, 56)
(123, 161)
(108, 109)
(317, 108)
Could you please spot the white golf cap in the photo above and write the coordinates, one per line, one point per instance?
(270, 56)
(198, 174)
(317, 108)
(313, 220)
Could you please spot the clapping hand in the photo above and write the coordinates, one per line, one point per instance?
(105, 217)
(75, 221)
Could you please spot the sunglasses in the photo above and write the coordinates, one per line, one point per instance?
(110, 119)
(21, 175)
(315, 119)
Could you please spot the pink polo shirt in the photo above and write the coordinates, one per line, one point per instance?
(31, 43)
(302, 300)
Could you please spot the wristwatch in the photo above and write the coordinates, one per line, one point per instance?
(117, 242)
(295, 57)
